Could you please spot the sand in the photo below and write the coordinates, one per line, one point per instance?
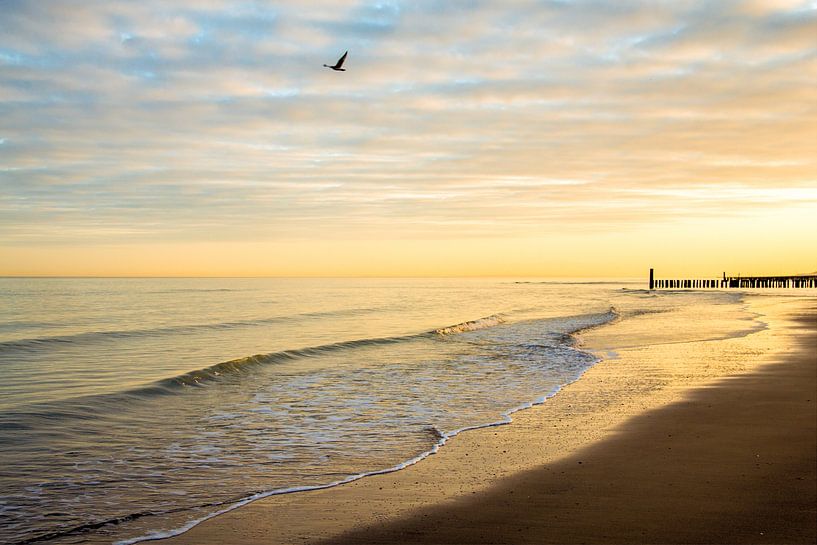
(701, 442)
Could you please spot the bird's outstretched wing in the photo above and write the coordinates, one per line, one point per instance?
(340, 60)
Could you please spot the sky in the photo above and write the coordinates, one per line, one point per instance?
(466, 138)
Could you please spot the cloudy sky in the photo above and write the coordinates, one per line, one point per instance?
(517, 137)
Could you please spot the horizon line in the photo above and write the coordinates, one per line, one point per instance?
(310, 276)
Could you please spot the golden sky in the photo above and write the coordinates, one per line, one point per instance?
(546, 138)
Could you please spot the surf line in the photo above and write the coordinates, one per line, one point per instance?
(506, 418)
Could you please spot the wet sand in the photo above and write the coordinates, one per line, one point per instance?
(701, 442)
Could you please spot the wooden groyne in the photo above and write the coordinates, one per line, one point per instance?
(797, 281)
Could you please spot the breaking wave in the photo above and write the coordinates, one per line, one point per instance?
(472, 325)
(199, 377)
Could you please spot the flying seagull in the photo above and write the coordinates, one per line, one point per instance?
(338, 64)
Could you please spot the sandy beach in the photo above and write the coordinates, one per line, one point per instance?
(710, 441)
(361, 272)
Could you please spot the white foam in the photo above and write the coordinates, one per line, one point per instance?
(506, 418)
(472, 325)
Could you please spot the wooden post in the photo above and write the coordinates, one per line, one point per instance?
(652, 281)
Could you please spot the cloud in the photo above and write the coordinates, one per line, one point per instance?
(193, 121)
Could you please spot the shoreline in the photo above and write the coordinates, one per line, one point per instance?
(587, 413)
(506, 418)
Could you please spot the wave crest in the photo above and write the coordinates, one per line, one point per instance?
(208, 374)
(472, 325)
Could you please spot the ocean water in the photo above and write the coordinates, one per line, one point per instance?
(132, 408)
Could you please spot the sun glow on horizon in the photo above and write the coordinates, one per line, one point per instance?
(506, 139)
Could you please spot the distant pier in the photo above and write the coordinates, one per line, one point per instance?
(797, 281)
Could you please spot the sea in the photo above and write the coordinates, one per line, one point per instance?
(132, 409)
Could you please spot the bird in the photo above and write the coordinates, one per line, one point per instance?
(338, 64)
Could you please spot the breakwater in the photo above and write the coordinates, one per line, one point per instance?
(794, 281)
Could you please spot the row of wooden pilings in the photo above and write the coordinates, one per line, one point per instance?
(736, 282)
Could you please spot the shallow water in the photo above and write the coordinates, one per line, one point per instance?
(134, 406)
